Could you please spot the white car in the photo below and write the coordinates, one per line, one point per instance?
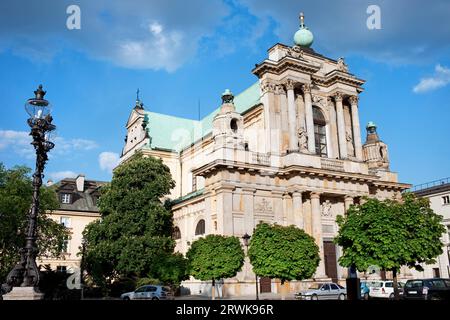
(149, 292)
(384, 289)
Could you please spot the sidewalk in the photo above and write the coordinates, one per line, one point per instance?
(262, 296)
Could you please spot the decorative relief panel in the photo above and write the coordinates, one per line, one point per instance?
(264, 206)
(326, 209)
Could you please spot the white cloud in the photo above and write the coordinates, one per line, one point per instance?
(156, 28)
(108, 161)
(19, 143)
(59, 175)
(440, 79)
(65, 146)
(144, 34)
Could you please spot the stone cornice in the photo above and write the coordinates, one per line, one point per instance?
(337, 76)
(285, 63)
(300, 170)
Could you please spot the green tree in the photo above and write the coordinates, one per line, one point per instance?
(15, 201)
(390, 234)
(286, 253)
(134, 237)
(215, 257)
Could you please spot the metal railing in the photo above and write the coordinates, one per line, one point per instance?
(261, 158)
(430, 184)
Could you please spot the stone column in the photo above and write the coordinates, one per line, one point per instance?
(297, 208)
(225, 210)
(317, 232)
(207, 214)
(248, 195)
(341, 125)
(292, 116)
(309, 118)
(356, 129)
(267, 97)
(348, 201)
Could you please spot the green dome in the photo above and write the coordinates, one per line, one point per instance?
(303, 37)
(371, 124)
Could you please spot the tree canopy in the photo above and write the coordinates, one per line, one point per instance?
(134, 237)
(16, 191)
(390, 234)
(286, 253)
(215, 257)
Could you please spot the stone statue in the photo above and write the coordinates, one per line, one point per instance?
(303, 140)
(350, 148)
(295, 52)
(341, 65)
(326, 208)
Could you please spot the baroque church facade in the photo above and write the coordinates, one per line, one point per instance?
(287, 150)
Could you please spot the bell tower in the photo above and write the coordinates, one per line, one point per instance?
(228, 124)
(374, 150)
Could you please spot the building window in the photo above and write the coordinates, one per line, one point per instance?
(234, 125)
(65, 198)
(176, 233)
(194, 183)
(320, 136)
(436, 273)
(200, 228)
(446, 200)
(65, 247)
(65, 221)
(62, 269)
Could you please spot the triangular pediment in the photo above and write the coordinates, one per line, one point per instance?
(134, 115)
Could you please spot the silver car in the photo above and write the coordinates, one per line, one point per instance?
(149, 292)
(322, 291)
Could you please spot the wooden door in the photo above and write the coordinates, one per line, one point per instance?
(329, 249)
(265, 284)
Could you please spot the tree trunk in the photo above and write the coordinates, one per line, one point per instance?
(394, 278)
(213, 289)
(284, 289)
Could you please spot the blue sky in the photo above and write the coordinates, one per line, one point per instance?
(180, 54)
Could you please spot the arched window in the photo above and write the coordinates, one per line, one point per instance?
(234, 125)
(176, 233)
(320, 136)
(200, 228)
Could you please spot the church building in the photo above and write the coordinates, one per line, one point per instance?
(286, 150)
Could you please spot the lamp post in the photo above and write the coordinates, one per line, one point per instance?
(25, 274)
(246, 239)
(82, 266)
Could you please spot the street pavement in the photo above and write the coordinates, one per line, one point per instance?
(262, 296)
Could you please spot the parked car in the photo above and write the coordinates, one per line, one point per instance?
(385, 289)
(322, 291)
(427, 289)
(149, 292)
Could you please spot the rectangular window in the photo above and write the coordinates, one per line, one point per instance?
(61, 269)
(65, 198)
(194, 183)
(66, 245)
(65, 221)
(436, 273)
(320, 140)
(446, 200)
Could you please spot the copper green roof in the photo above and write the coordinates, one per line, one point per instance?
(175, 133)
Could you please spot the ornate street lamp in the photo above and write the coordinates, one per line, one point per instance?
(26, 272)
(246, 239)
